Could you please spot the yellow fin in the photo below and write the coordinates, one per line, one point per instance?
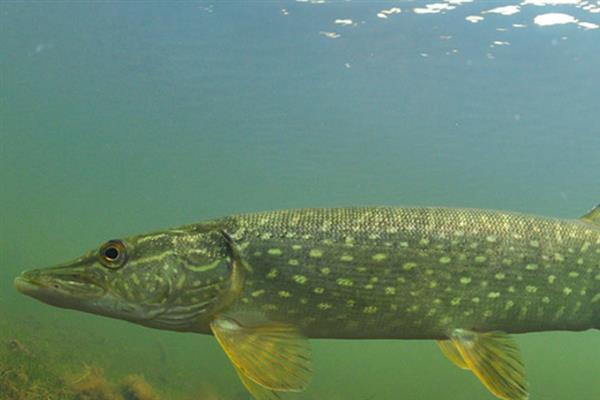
(495, 359)
(274, 355)
(257, 391)
(593, 215)
(452, 353)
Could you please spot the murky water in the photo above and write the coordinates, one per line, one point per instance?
(118, 118)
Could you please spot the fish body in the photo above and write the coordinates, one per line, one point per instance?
(419, 272)
(263, 283)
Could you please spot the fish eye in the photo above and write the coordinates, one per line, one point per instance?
(113, 254)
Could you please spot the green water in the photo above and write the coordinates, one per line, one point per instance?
(118, 118)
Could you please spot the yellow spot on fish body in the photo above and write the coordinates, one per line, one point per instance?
(379, 257)
(301, 279)
(531, 267)
(258, 293)
(475, 300)
(284, 294)
(315, 253)
(294, 262)
(424, 242)
(324, 306)
(493, 295)
(500, 276)
(545, 299)
(319, 290)
(349, 241)
(573, 274)
(509, 304)
(491, 238)
(597, 277)
(390, 290)
(370, 310)
(413, 308)
(558, 257)
(272, 273)
(465, 280)
(534, 243)
(296, 247)
(567, 291)
(445, 260)
(455, 301)
(531, 289)
(274, 252)
(585, 247)
(347, 258)
(480, 259)
(325, 271)
(368, 286)
(344, 282)
(409, 265)
(551, 279)
(433, 284)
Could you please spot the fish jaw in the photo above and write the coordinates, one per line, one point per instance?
(59, 287)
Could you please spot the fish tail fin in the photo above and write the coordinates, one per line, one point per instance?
(593, 216)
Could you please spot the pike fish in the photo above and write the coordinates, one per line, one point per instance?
(264, 283)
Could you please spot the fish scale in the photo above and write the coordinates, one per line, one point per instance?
(419, 272)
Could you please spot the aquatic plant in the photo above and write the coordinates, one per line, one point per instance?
(92, 385)
(135, 387)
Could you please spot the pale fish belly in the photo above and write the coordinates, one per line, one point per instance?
(420, 273)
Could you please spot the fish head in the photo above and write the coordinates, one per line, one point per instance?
(174, 280)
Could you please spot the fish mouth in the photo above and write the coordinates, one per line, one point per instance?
(25, 286)
(61, 290)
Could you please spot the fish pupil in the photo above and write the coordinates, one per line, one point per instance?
(111, 253)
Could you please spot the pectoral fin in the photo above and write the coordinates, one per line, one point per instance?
(257, 391)
(495, 359)
(452, 353)
(271, 354)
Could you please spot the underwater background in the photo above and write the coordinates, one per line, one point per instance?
(118, 118)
